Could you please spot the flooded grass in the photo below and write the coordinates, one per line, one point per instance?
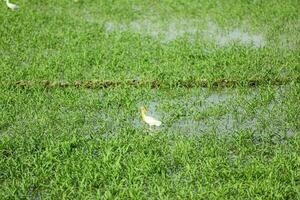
(222, 76)
(91, 132)
(191, 29)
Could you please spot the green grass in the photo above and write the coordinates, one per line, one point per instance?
(215, 143)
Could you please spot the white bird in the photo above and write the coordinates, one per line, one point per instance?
(149, 120)
(11, 5)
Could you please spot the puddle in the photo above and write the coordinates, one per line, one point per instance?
(267, 118)
(216, 98)
(178, 30)
(204, 99)
(189, 28)
(225, 124)
(288, 41)
(165, 32)
(228, 124)
(226, 37)
(197, 111)
(188, 126)
(240, 37)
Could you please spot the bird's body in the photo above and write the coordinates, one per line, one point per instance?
(149, 120)
(11, 5)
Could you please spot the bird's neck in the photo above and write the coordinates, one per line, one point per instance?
(143, 114)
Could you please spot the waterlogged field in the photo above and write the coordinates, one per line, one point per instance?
(222, 76)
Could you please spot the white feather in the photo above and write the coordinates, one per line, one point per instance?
(151, 121)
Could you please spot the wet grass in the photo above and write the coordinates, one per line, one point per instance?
(87, 143)
(73, 75)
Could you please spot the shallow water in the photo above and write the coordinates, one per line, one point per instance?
(239, 112)
(188, 28)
